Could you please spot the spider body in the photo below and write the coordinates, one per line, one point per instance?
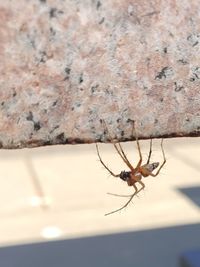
(134, 178)
(129, 177)
(143, 171)
(135, 174)
(146, 169)
(125, 176)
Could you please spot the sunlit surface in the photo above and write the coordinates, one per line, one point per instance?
(70, 200)
(50, 232)
(36, 201)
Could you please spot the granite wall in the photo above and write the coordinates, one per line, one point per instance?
(66, 65)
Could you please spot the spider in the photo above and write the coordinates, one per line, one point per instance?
(135, 174)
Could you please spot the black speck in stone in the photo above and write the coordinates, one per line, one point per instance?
(81, 78)
(67, 71)
(54, 128)
(37, 126)
(47, 143)
(52, 12)
(163, 73)
(30, 116)
(93, 88)
(52, 31)
(196, 43)
(98, 4)
(183, 61)
(54, 103)
(43, 56)
(61, 137)
(78, 141)
(178, 87)
(101, 21)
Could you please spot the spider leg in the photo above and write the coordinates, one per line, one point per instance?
(36, 183)
(164, 161)
(139, 163)
(140, 155)
(126, 204)
(138, 147)
(115, 175)
(116, 195)
(124, 155)
(121, 154)
(142, 184)
(150, 151)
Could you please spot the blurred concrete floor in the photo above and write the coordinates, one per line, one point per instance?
(76, 184)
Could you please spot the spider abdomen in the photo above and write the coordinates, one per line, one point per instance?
(146, 169)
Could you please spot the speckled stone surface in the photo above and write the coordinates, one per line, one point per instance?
(66, 64)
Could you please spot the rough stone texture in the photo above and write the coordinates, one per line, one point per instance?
(65, 64)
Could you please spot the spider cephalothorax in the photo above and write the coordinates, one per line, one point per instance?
(135, 174)
(125, 175)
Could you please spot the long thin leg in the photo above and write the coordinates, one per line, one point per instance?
(140, 155)
(125, 161)
(116, 195)
(117, 149)
(164, 161)
(140, 159)
(150, 151)
(124, 206)
(138, 165)
(115, 175)
(139, 181)
(124, 155)
(138, 145)
(36, 182)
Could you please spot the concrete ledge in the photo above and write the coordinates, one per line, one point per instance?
(65, 65)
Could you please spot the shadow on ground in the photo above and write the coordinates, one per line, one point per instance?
(154, 248)
(193, 193)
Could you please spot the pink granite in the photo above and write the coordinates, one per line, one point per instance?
(65, 65)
